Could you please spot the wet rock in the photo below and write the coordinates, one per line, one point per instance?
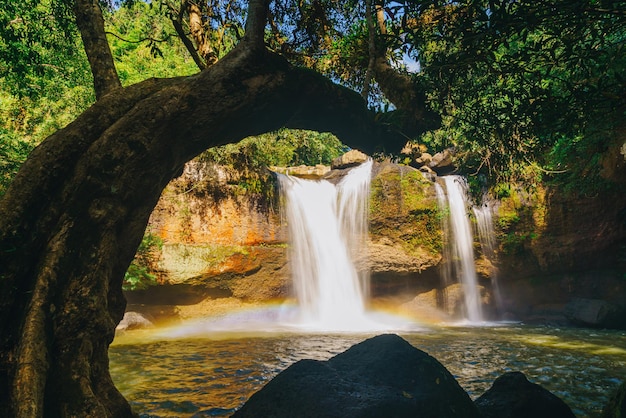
(427, 170)
(443, 162)
(424, 159)
(384, 256)
(349, 159)
(616, 408)
(383, 376)
(157, 314)
(513, 396)
(134, 320)
(304, 171)
(449, 300)
(197, 272)
(404, 217)
(595, 313)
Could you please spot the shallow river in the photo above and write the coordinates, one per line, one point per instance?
(212, 375)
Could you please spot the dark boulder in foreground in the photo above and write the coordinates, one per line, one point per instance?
(513, 396)
(383, 376)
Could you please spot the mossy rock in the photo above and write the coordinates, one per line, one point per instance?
(403, 208)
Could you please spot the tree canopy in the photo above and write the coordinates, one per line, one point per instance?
(513, 83)
(520, 82)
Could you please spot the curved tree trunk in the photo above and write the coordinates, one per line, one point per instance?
(75, 214)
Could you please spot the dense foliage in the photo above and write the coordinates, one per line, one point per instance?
(44, 77)
(45, 81)
(526, 89)
(283, 148)
(40, 52)
(144, 44)
(525, 83)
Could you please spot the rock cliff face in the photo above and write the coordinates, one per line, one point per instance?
(224, 241)
(555, 247)
(220, 241)
(405, 232)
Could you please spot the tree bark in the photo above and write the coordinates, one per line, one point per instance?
(75, 214)
(91, 26)
(205, 50)
(255, 24)
(178, 27)
(371, 48)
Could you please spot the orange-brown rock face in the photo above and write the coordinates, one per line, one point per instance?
(207, 206)
(231, 223)
(220, 241)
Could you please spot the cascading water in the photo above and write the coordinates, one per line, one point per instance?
(486, 235)
(462, 250)
(353, 203)
(327, 224)
(448, 249)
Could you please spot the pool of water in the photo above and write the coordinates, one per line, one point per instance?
(213, 374)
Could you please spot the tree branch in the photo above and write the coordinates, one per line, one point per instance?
(197, 31)
(178, 27)
(91, 26)
(138, 41)
(371, 50)
(255, 23)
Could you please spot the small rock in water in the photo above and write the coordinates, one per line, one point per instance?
(133, 320)
(513, 396)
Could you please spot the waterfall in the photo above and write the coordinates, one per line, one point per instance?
(486, 235)
(448, 249)
(327, 227)
(461, 243)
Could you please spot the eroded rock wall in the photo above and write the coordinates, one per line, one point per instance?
(223, 241)
(556, 245)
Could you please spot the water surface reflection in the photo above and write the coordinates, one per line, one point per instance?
(215, 374)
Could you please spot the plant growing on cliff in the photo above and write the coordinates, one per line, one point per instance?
(141, 273)
(251, 157)
(285, 147)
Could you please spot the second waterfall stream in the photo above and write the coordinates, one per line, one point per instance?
(459, 245)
